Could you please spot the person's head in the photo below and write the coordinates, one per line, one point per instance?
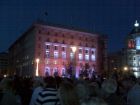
(6, 83)
(58, 81)
(38, 82)
(50, 82)
(94, 89)
(109, 86)
(128, 82)
(82, 90)
(94, 101)
(67, 94)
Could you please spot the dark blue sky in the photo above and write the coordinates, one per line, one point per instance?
(112, 17)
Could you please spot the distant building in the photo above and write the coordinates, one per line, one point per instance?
(48, 50)
(133, 50)
(117, 61)
(3, 63)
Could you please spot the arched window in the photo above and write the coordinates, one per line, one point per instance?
(55, 72)
(63, 72)
(47, 71)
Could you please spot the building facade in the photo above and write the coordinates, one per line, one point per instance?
(117, 62)
(53, 50)
(133, 50)
(3, 63)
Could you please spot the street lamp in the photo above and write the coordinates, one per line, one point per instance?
(74, 58)
(37, 62)
(125, 68)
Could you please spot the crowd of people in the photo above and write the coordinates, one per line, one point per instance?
(124, 90)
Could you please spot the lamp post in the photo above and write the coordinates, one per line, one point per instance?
(37, 62)
(74, 59)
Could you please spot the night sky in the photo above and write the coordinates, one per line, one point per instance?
(114, 18)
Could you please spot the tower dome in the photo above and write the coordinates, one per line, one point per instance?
(136, 28)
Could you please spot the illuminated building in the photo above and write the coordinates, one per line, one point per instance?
(47, 50)
(133, 50)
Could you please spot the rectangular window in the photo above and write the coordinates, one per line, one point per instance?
(80, 57)
(71, 56)
(86, 51)
(92, 52)
(47, 54)
(47, 46)
(63, 55)
(134, 58)
(139, 63)
(80, 50)
(55, 47)
(134, 64)
(55, 62)
(87, 57)
(46, 61)
(55, 54)
(92, 57)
